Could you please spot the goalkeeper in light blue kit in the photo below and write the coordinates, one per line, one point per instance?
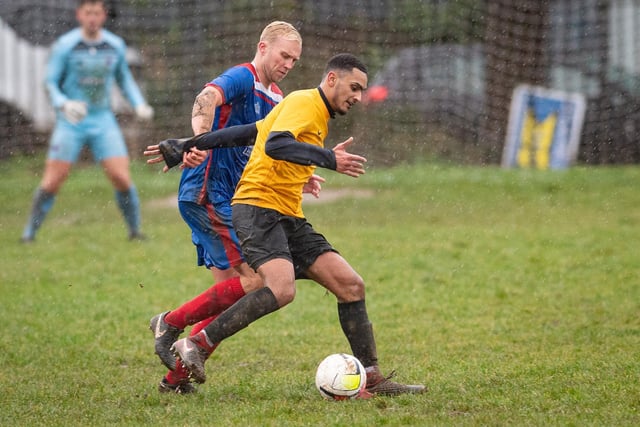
(84, 64)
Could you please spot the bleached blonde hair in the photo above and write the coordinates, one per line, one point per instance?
(280, 29)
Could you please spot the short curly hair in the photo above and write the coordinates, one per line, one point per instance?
(345, 62)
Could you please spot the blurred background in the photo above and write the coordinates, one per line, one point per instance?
(442, 72)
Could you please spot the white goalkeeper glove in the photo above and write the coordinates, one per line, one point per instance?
(144, 112)
(74, 111)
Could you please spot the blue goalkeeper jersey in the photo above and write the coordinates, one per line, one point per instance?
(86, 70)
(246, 100)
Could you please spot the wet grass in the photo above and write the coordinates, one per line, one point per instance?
(514, 295)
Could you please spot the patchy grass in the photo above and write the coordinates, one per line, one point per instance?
(514, 295)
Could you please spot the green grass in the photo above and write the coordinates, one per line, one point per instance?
(514, 295)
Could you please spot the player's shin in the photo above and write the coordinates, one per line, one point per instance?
(248, 309)
(209, 303)
(356, 326)
(42, 203)
(129, 204)
(359, 331)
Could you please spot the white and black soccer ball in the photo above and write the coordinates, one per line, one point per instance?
(340, 376)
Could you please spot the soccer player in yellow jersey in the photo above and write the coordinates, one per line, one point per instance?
(277, 241)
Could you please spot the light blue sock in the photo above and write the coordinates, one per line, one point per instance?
(42, 203)
(129, 204)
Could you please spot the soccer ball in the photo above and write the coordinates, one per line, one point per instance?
(340, 377)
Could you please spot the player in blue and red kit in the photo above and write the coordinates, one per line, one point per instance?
(241, 95)
(82, 68)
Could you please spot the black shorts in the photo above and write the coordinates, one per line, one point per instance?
(266, 234)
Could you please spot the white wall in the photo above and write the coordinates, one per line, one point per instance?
(22, 71)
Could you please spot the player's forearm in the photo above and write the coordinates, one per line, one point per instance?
(52, 85)
(53, 77)
(283, 146)
(232, 136)
(129, 87)
(55, 95)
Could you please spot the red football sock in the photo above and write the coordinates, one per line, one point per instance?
(180, 374)
(211, 302)
(201, 325)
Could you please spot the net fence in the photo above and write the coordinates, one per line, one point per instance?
(442, 73)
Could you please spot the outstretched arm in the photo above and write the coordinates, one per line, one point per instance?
(283, 146)
(172, 150)
(233, 136)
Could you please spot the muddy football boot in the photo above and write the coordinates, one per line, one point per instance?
(165, 335)
(192, 356)
(182, 388)
(380, 385)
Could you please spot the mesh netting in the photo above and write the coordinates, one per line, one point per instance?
(444, 71)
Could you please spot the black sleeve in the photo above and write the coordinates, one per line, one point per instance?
(283, 146)
(233, 136)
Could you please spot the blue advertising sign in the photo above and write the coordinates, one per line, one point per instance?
(544, 128)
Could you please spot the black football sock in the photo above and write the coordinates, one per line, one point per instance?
(246, 310)
(359, 331)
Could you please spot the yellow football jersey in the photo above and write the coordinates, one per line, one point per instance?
(277, 184)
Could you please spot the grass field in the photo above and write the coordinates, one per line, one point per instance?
(514, 295)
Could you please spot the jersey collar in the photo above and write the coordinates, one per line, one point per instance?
(326, 103)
